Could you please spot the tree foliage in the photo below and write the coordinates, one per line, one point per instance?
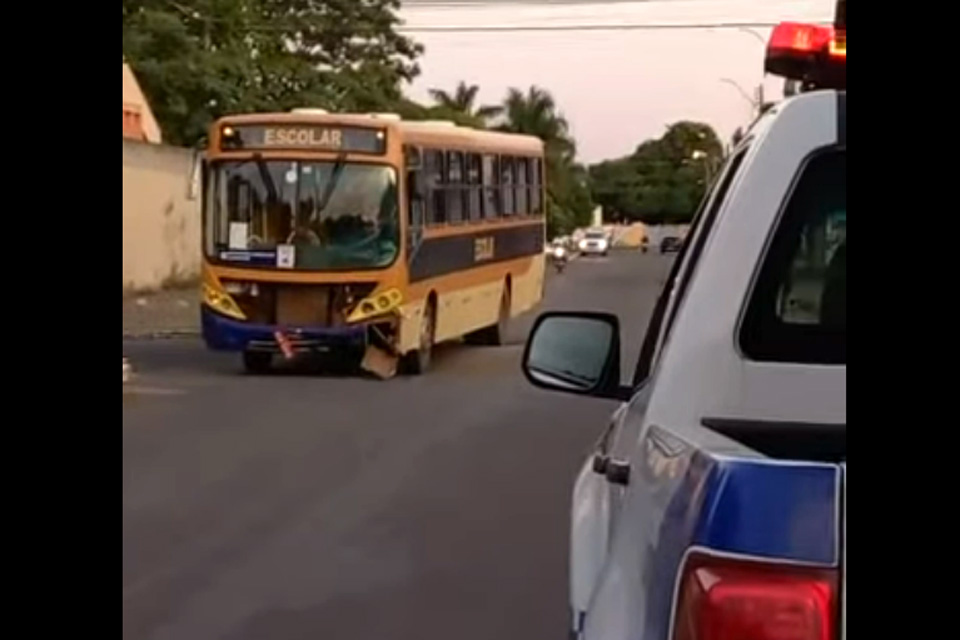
(535, 113)
(460, 106)
(664, 179)
(199, 59)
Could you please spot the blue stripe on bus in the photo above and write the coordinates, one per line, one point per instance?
(440, 256)
(225, 334)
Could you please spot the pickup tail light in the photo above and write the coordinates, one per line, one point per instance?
(720, 599)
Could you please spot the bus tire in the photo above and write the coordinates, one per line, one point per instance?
(257, 362)
(495, 335)
(418, 361)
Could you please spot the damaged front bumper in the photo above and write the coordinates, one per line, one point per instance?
(225, 334)
(373, 340)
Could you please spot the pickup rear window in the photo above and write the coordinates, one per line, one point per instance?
(798, 309)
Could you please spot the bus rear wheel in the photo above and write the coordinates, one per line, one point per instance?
(495, 335)
(418, 361)
(257, 362)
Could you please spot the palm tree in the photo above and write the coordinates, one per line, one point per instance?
(535, 113)
(462, 103)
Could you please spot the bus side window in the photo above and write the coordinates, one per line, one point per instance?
(474, 188)
(491, 187)
(436, 206)
(416, 209)
(536, 189)
(506, 185)
(520, 171)
(454, 186)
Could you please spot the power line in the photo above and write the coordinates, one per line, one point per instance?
(589, 27)
(263, 27)
(467, 4)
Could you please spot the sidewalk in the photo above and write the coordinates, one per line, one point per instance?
(170, 313)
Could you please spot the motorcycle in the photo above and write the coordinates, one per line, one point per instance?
(559, 258)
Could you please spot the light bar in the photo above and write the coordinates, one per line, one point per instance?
(838, 45)
(799, 38)
(814, 54)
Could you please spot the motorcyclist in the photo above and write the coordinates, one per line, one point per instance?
(558, 255)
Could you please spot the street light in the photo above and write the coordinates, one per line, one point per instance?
(756, 35)
(700, 154)
(736, 85)
(757, 102)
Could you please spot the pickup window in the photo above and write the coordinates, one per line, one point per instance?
(682, 270)
(797, 311)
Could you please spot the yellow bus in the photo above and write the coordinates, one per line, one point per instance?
(366, 234)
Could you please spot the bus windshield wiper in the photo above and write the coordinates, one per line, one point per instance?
(332, 184)
(266, 177)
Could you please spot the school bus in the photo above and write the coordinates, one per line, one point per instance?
(366, 235)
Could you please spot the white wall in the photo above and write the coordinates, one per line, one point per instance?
(161, 216)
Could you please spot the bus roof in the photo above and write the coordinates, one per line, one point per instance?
(415, 132)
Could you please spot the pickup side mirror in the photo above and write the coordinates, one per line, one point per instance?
(576, 352)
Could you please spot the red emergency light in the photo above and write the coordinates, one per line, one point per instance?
(816, 55)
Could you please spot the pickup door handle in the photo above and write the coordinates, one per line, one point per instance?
(600, 462)
(614, 471)
(617, 472)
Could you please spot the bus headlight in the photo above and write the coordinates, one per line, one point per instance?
(376, 305)
(221, 302)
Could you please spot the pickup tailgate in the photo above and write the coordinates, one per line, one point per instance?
(729, 504)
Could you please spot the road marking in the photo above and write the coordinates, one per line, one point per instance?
(151, 391)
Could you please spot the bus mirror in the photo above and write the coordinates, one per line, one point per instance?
(198, 170)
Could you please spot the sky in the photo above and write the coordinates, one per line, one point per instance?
(616, 87)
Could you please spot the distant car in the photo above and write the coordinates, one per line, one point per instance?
(670, 244)
(594, 243)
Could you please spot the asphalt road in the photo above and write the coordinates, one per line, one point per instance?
(301, 507)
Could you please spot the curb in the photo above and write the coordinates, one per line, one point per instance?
(161, 334)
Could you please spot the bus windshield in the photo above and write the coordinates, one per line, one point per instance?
(335, 215)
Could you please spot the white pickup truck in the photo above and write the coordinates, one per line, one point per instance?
(713, 506)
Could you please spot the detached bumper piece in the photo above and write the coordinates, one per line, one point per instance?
(381, 357)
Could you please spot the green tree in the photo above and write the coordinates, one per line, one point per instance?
(664, 179)
(460, 106)
(199, 59)
(535, 113)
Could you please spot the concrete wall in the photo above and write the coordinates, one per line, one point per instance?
(161, 216)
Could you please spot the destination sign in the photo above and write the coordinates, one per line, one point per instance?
(303, 137)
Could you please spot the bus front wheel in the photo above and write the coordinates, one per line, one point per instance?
(257, 362)
(418, 361)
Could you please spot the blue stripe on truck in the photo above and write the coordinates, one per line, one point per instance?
(780, 510)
